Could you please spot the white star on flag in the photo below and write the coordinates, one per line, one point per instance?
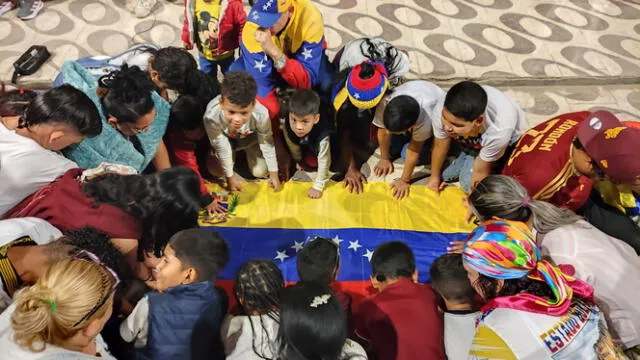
(357, 96)
(255, 15)
(307, 54)
(259, 65)
(354, 245)
(297, 246)
(368, 255)
(337, 240)
(281, 255)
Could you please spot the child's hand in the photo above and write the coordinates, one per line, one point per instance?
(314, 194)
(436, 184)
(274, 181)
(233, 184)
(299, 167)
(383, 167)
(187, 46)
(215, 208)
(456, 247)
(400, 189)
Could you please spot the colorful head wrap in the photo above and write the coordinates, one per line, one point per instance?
(503, 249)
(364, 93)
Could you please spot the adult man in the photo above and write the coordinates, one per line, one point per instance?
(283, 41)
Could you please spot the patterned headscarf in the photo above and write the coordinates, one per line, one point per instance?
(503, 249)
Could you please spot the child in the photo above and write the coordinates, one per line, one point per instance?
(215, 27)
(449, 279)
(401, 322)
(319, 261)
(307, 136)
(252, 336)
(235, 120)
(162, 323)
(313, 325)
(404, 119)
(484, 122)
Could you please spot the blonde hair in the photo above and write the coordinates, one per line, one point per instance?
(503, 197)
(68, 290)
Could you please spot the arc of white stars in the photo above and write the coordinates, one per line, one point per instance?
(368, 254)
(337, 240)
(297, 246)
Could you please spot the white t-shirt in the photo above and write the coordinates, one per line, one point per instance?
(427, 94)
(10, 350)
(25, 167)
(503, 124)
(237, 338)
(352, 55)
(609, 265)
(459, 330)
(38, 230)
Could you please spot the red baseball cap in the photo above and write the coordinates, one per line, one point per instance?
(614, 146)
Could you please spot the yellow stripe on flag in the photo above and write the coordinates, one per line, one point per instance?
(423, 210)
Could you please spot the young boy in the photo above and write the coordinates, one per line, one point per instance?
(405, 116)
(484, 122)
(319, 261)
(235, 120)
(163, 324)
(215, 27)
(401, 322)
(449, 279)
(307, 136)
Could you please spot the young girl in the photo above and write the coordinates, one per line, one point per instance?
(313, 325)
(215, 27)
(134, 119)
(252, 336)
(139, 212)
(32, 128)
(62, 314)
(567, 239)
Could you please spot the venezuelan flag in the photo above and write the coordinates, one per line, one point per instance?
(269, 225)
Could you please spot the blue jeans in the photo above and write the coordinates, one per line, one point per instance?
(460, 169)
(211, 67)
(402, 142)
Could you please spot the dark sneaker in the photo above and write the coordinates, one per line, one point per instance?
(29, 9)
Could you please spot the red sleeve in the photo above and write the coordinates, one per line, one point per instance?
(183, 153)
(361, 318)
(185, 26)
(295, 74)
(240, 19)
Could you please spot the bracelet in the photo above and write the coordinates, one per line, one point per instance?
(280, 63)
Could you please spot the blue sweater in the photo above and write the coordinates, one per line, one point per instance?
(111, 146)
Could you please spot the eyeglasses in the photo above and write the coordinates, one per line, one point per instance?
(91, 257)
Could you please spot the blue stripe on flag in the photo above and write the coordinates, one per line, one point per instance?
(356, 247)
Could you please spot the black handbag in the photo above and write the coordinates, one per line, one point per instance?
(30, 61)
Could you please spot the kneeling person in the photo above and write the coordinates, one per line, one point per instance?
(307, 136)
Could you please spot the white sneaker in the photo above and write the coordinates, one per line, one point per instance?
(6, 6)
(29, 9)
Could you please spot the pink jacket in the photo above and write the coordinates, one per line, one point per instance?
(230, 24)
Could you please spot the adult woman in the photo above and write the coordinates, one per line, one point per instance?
(134, 119)
(533, 309)
(32, 128)
(62, 314)
(313, 325)
(567, 239)
(139, 212)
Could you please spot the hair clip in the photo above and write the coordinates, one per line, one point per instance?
(52, 304)
(320, 300)
(525, 201)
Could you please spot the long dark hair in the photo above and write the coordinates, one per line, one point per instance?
(313, 324)
(62, 105)
(258, 287)
(164, 202)
(128, 94)
(489, 287)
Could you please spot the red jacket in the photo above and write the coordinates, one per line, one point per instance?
(64, 205)
(401, 323)
(541, 162)
(183, 153)
(230, 24)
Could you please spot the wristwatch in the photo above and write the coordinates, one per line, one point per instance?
(280, 63)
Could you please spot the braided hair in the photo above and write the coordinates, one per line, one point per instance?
(258, 288)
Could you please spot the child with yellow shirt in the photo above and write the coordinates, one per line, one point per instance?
(215, 28)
